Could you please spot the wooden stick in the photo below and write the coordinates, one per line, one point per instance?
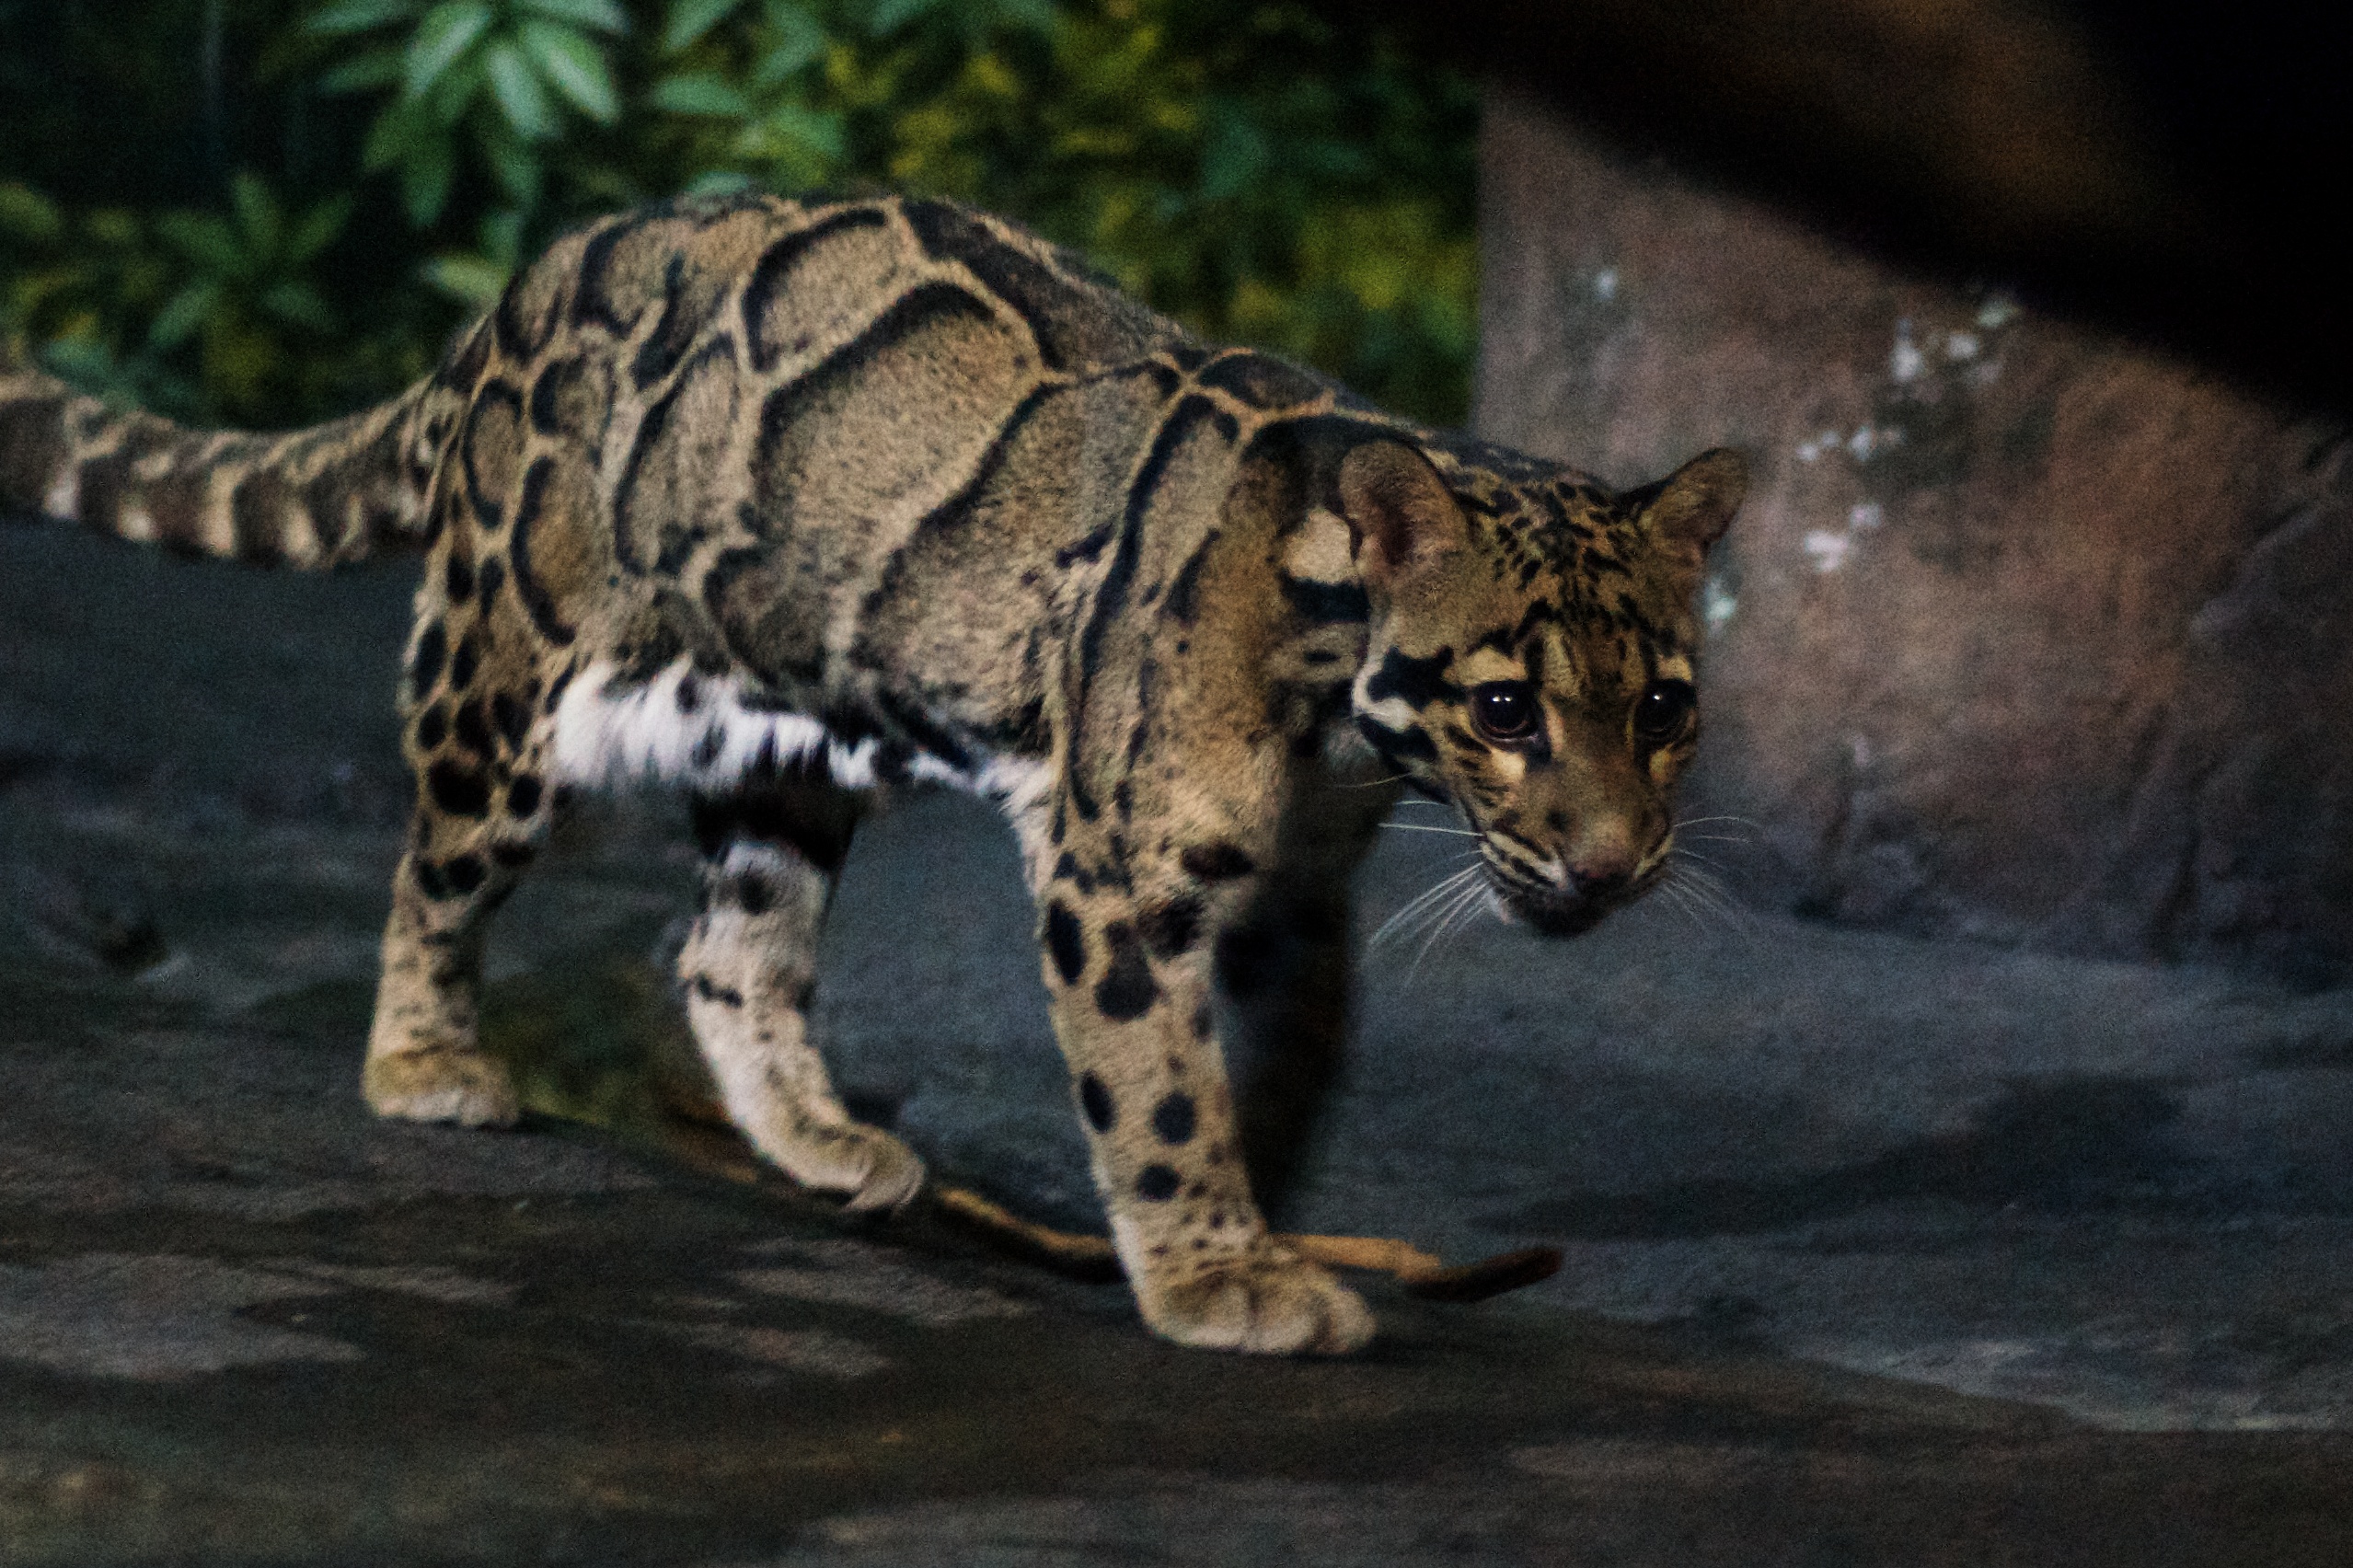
(1421, 1274)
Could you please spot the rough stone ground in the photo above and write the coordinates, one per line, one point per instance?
(1879, 1251)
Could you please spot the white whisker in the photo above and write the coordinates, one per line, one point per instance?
(1420, 902)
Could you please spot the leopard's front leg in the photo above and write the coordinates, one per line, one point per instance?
(1129, 971)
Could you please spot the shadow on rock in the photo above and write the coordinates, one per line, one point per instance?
(2055, 1144)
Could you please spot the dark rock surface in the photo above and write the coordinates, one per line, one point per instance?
(1879, 1251)
(2026, 633)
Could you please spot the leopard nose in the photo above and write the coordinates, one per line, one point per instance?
(1592, 878)
(1602, 858)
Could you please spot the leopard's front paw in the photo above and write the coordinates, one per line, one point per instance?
(868, 1167)
(445, 1084)
(1266, 1300)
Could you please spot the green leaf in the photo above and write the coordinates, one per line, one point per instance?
(700, 93)
(203, 239)
(515, 166)
(179, 320)
(29, 214)
(520, 98)
(502, 236)
(689, 19)
(602, 15)
(442, 38)
(297, 303)
(1235, 154)
(359, 16)
(455, 92)
(476, 280)
(719, 182)
(258, 220)
(318, 229)
(376, 69)
(401, 128)
(427, 166)
(799, 39)
(575, 65)
(889, 15)
(1027, 15)
(806, 130)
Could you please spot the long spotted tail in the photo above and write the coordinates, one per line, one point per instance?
(310, 499)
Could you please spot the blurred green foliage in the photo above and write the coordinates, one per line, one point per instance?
(268, 211)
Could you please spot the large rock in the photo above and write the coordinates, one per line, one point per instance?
(2026, 633)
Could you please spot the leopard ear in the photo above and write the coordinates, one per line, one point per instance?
(1689, 509)
(1399, 515)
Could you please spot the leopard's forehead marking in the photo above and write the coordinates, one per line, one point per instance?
(1574, 568)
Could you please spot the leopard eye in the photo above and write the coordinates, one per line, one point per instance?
(1503, 711)
(1664, 711)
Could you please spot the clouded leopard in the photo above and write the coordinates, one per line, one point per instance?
(785, 502)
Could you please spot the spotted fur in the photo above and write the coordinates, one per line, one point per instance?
(786, 502)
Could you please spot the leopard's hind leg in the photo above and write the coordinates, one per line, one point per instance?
(772, 852)
(478, 738)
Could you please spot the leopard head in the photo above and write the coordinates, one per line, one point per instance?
(1530, 657)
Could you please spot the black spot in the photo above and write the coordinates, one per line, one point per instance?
(1216, 860)
(537, 603)
(1204, 1020)
(523, 794)
(769, 276)
(433, 725)
(256, 515)
(1071, 330)
(707, 750)
(464, 366)
(1086, 549)
(1096, 1101)
(815, 827)
(591, 300)
(489, 579)
(495, 402)
(1261, 381)
(473, 731)
(690, 694)
(1111, 595)
(1183, 601)
(570, 399)
(1158, 1183)
(1326, 603)
(433, 647)
(457, 578)
(1066, 943)
(556, 690)
(754, 895)
(725, 995)
(1127, 989)
(465, 872)
(461, 791)
(512, 717)
(429, 879)
(1173, 1118)
(1397, 745)
(1419, 680)
(656, 531)
(1170, 928)
(684, 311)
(1068, 868)
(926, 731)
(463, 664)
